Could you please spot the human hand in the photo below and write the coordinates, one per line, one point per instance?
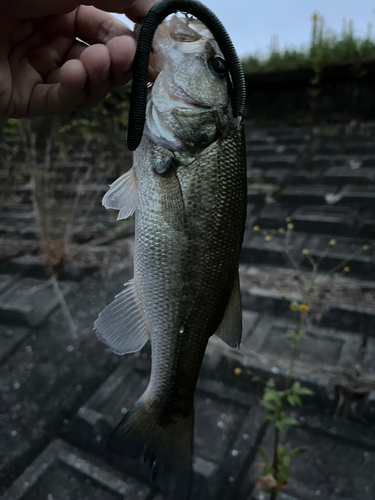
(45, 70)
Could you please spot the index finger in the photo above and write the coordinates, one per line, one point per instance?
(135, 10)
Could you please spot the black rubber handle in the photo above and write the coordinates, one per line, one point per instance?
(156, 15)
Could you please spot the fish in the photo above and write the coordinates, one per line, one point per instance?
(187, 188)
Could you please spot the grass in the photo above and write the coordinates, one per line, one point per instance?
(325, 48)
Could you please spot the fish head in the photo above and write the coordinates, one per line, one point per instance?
(189, 104)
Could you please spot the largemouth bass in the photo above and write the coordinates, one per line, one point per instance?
(188, 190)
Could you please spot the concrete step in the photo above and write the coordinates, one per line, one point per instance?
(29, 302)
(344, 304)
(315, 194)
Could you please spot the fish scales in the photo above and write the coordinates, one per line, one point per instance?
(196, 244)
(188, 190)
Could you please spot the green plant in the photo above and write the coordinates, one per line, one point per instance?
(325, 48)
(276, 470)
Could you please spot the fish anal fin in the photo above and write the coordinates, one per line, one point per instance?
(230, 328)
(121, 325)
(122, 194)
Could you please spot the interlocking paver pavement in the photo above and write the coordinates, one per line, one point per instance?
(62, 392)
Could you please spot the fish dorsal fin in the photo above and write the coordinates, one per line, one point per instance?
(230, 328)
(123, 194)
(121, 325)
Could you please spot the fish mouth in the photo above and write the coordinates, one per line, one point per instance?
(185, 100)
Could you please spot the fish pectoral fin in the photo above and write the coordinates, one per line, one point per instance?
(230, 328)
(121, 325)
(162, 159)
(123, 194)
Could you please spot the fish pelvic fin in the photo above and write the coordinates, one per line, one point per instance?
(122, 195)
(230, 328)
(121, 325)
(167, 444)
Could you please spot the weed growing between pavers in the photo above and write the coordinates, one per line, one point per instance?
(61, 164)
(276, 468)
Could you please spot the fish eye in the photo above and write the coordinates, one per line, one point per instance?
(218, 65)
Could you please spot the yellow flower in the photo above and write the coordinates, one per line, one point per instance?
(237, 371)
(267, 238)
(305, 251)
(281, 230)
(256, 228)
(288, 219)
(332, 243)
(290, 226)
(303, 307)
(293, 306)
(347, 269)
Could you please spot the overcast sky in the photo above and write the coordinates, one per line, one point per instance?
(251, 24)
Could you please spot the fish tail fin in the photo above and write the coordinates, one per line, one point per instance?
(167, 444)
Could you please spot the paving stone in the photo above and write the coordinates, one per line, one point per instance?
(10, 337)
(27, 265)
(362, 149)
(256, 193)
(367, 225)
(343, 160)
(90, 430)
(216, 420)
(273, 216)
(307, 195)
(21, 208)
(219, 412)
(349, 318)
(257, 299)
(109, 404)
(271, 162)
(31, 266)
(335, 466)
(256, 250)
(368, 361)
(62, 472)
(305, 176)
(262, 149)
(51, 374)
(357, 195)
(249, 320)
(259, 495)
(319, 347)
(326, 220)
(255, 370)
(368, 408)
(294, 138)
(216, 424)
(28, 303)
(240, 455)
(275, 175)
(259, 150)
(339, 176)
(6, 281)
